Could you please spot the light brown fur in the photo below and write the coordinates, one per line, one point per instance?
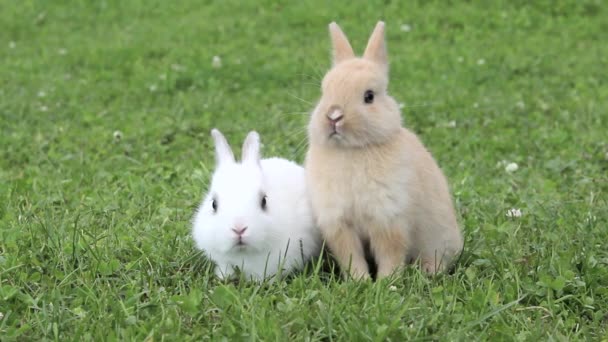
(375, 180)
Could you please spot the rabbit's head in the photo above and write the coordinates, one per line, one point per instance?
(355, 109)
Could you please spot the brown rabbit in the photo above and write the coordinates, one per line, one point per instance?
(370, 179)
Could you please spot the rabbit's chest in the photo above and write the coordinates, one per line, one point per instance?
(357, 189)
(371, 195)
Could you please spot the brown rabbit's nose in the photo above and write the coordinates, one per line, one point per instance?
(334, 116)
(239, 230)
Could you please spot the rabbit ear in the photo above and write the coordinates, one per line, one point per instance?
(376, 47)
(341, 47)
(251, 148)
(223, 152)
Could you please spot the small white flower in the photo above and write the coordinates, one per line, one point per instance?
(44, 108)
(62, 51)
(162, 77)
(392, 288)
(178, 67)
(152, 87)
(216, 62)
(520, 105)
(401, 105)
(12, 45)
(481, 61)
(511, 167)
(41, 93)
(460, 59)
(452, 124)
(406, 28)
(117, 136)
(513, 212)
(590, 219)
(40, 17)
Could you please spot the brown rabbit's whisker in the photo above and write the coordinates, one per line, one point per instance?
(302, 144)
(312, 77)
(315, 85)
(299, 131)
(318, 69)
(298, 98)
(296, 113)
(296, 131)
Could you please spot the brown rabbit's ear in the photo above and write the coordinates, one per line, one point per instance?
(341, 47)
(223, 152)
(376, 47)
(251, 148)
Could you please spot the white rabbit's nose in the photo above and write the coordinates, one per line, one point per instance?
(239, 230)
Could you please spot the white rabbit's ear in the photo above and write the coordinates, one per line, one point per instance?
(223, 152)
(251, 148)
(376, 47)
(341, 47)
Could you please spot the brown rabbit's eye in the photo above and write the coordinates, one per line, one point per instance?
(214, 205)
(368, 97)
(263, 202)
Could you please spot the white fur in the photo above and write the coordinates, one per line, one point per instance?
(282, 237)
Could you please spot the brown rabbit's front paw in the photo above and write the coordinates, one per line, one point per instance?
(430, 267)
(384, 272)
(359, 273)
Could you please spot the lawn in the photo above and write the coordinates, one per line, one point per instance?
(105, 116)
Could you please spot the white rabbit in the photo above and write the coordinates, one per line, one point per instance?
(256, 215)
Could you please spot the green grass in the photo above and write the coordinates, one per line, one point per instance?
(94, 231)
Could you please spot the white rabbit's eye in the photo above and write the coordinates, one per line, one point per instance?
(368, 97)
(263, 202)
(214, 205)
